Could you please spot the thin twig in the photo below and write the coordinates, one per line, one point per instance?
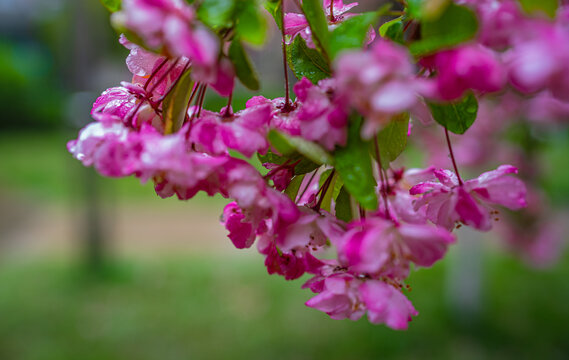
(452, 157)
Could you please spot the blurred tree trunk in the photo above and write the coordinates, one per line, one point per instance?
(85, 52)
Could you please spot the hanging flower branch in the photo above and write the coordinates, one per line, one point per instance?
(362, 94)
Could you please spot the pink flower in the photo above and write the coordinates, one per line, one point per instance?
(171, 23)
(323, 114)
(544, 108)
(344, 295)
(280, 174)
(245, 131)
(500, 21)
(400, 202)
(241, 233)
(468, 67)
(139, 61)
(127, 104)
(448, 202)
(538, 60)
(386, 305)
(379, 83)
(309, 232)
(291, 265)
(175, 169)
(378, 246)
(285, 120)
(339, 298)
(111, 148)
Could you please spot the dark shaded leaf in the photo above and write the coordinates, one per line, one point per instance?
(243, 65)
(292, 188)
(343, 206)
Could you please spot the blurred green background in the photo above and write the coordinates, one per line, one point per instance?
(94, 268)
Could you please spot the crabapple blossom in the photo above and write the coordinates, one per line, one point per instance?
(380, 246)
(244, 131)
(380, 83)
(320, 183)
(171, 23)
(323, 114)
(450, 201)
(468, 67)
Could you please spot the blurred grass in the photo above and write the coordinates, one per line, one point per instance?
(215, 307)
(196, 308)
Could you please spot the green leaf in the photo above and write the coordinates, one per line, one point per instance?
(456, 117)
(280, 143)
(426, 9)
(323, 177)
(175, 104)
(289, 145)
(548, 7)
(318, 23)
(336, 184)
(393, 138)
(271, 157)
(351, 33)
(457, 24)
(243, 66)
(251, 25)
(393, 30)
(343, 206)
(414, 8)
(275, 9)
(216, 13)
(327, 201)
(353, 163)
(112, 5)
(306, 62)
(303, 166)
(292, 188)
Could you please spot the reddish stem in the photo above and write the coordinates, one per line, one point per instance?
(227, 112)
(307, 185)
(324, 190)
(201, 100)
(155, 72)
(332, 10)
(383, 180)
(287, 106)
(362, 212)
(151, 91)
(452, 157)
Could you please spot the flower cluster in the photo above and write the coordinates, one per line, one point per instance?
(332, 200)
